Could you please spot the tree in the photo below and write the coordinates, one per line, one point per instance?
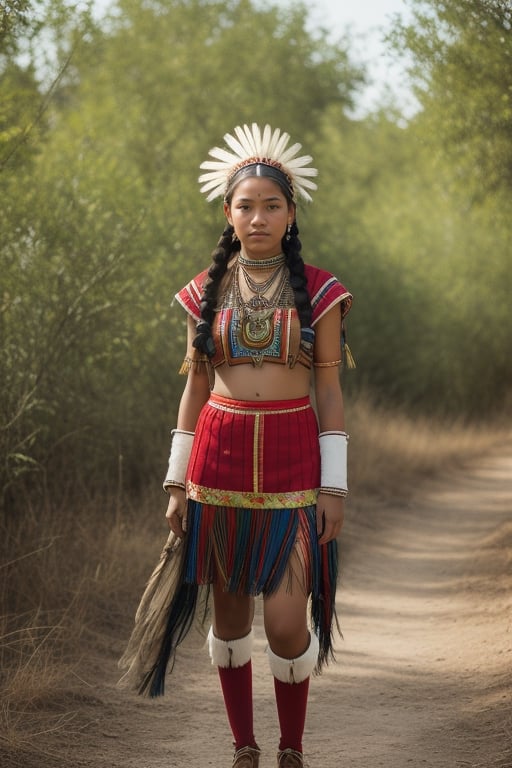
(462, 70)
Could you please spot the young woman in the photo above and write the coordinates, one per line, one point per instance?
(257, 477)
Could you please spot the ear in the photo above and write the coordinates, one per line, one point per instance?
(227, 213)
(292, 210)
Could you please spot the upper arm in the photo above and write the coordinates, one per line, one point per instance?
(197, 386)
(328, 336)
(328, 394)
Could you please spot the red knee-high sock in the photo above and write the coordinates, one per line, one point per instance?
(236, 683)
(292, 702)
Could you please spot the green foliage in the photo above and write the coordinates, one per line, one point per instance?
(462, 70)
(13, 15)
(429, 271)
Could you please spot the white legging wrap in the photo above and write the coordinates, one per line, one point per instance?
(230, 653)
(295, 670)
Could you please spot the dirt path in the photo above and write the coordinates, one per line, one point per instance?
(424, 671)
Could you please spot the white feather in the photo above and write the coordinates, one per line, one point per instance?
(273, 142)
(265, 141)
(245, 141)
(249, 144)
(280, 146)
(222, 154)
(236, 146)
(289, 153)
(255, 135)
(209, 183)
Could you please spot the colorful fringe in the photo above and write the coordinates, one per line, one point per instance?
(250, 550)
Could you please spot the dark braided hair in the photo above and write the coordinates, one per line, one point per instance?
(203, 341)
(292, 249)
(227, 246)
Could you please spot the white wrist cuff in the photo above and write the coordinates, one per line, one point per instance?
(333, 458)
(181, 448)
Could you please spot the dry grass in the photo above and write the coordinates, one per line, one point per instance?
(70, 576)
(391, 454)
(72, 572)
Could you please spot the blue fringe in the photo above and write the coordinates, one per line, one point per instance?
(263, 572)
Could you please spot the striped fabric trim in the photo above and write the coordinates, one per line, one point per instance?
(324, 289)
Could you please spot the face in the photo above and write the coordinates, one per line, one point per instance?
(260, 214)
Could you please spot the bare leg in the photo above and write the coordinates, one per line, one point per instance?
(233, 614)
(285, 618)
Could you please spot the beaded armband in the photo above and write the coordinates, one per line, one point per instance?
(193, 363)
(333, 492)
(330, 364)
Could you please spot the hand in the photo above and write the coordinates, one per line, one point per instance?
(177, 511)
(329, 516)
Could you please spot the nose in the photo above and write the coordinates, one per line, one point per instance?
(258, 216)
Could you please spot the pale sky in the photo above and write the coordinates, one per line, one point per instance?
(362, 14)
(367, 21)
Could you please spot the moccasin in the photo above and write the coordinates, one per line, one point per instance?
(246, 757)
(290, 758)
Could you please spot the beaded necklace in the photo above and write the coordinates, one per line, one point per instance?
(273, 261)
(256, 316)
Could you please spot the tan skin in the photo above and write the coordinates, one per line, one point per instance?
(260, 214)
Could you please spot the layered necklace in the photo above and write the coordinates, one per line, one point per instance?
(256, 315)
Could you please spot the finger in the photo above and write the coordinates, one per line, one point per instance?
(330, 533)
(175, 524)
(320, 519)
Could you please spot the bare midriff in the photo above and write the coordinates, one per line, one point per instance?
(266, 382)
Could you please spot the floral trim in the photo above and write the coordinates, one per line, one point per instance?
(250, 500)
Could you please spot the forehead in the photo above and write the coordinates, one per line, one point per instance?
(258, 187)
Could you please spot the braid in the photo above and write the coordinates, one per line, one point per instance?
(203, 340)
(298, 280)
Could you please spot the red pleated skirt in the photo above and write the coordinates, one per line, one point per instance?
(255, 454)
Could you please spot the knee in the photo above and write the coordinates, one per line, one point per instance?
(287, 637)
(230, 625)
(233, 615)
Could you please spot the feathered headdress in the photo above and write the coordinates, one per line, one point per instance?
(251, 146)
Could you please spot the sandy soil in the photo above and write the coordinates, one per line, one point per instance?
(424, 670)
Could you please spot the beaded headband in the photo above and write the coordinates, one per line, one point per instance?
(252, 147)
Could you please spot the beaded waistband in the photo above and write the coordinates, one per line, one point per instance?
(253, 407)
